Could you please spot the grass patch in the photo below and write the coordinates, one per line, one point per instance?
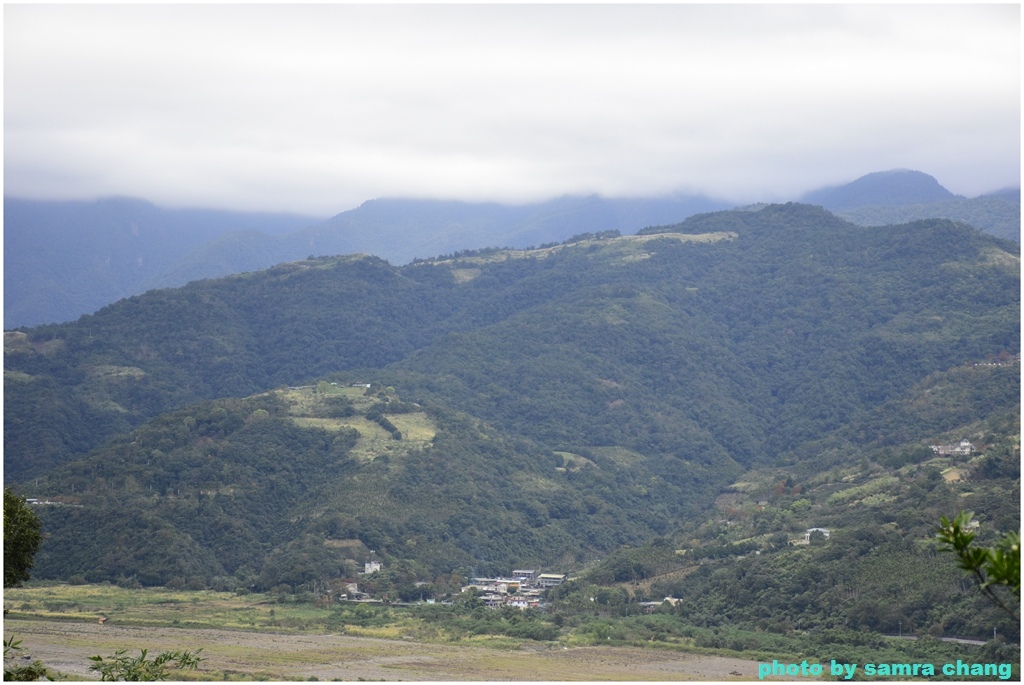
(861, 491)
(415, 427)
(334, 425)
(17, 377)
(156, 607)
(625, 243)
(465, 275)
(620, 455)
(108, 371)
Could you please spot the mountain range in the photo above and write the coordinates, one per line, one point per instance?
(543, 407)
(65, 259)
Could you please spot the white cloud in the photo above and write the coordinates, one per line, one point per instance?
(317, 107)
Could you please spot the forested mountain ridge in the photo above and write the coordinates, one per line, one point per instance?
(997, 215)
(624, 378)
(66, 259)
(924, 297)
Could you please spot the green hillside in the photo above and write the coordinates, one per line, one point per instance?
(877, 488)
(538, 407)
(299, 484)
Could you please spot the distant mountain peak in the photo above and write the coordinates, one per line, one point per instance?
(882, 188)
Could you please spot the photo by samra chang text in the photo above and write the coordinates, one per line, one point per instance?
(845, 671)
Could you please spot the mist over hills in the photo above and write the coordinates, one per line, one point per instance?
(539, 406)
(65, 259)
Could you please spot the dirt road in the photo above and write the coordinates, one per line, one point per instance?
(66, 647)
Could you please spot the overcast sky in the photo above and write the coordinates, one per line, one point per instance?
(317, 108)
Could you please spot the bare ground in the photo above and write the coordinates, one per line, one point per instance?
(66, 647)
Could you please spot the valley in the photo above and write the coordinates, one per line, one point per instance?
(233, 655)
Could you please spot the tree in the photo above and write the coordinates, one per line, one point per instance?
(22, 536)
(991, 566)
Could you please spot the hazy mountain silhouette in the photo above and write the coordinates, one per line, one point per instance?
(886, 188)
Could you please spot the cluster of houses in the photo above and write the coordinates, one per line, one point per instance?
(522, 590)
(962, 449)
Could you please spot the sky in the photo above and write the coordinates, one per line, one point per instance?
(316, 108)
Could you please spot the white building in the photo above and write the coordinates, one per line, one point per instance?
(550, 579)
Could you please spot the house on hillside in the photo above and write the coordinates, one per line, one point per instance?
(824, 531)
(499, 585)
(493, 599)
(546, 580)
(651, 607)
(523, 602)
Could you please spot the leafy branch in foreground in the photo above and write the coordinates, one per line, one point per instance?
(34, 671)
(991, 566)
(120, 666)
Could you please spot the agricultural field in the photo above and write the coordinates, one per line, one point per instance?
(255, 637)
(307, 406)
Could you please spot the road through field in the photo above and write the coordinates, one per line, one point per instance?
(66, 646)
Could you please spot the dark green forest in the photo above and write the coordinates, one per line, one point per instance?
(660, 414)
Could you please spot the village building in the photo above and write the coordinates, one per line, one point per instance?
(523, 601)
(501, 585)
(651, 607)
(547, 580)
(494, 600)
